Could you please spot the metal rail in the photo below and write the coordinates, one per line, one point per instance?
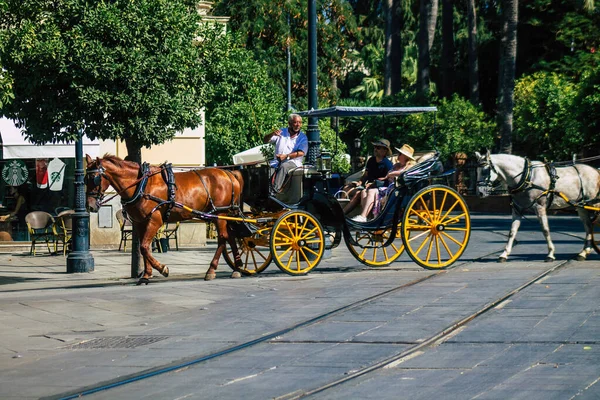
(435, 338)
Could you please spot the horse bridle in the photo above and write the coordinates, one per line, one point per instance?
(97, 193)
(489, 166)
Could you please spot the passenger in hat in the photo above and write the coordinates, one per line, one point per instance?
(378, 166)
(404, 162)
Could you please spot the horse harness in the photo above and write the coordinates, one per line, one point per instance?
(166, 171)
(525, 184)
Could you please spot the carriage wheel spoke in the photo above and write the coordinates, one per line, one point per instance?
(450, 210)
(429, 248)
(452, 238)
(424, 241)
(446, 247)
(427, 232)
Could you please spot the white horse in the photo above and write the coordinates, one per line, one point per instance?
(538, 186)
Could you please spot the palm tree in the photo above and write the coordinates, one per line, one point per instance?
(506, 80)
(393, 47)
(473, 57)
(427, 20)
(447, 61)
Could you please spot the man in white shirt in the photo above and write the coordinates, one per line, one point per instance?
(291, 145)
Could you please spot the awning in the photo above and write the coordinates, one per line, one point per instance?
(340, 111)
(14, 145)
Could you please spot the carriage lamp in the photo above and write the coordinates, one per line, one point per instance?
(356, 153)
(324, 162)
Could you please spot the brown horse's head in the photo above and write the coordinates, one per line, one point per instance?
(95, 183)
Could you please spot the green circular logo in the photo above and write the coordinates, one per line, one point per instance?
(15, 173)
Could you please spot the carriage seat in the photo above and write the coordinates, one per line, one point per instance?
(293, 189)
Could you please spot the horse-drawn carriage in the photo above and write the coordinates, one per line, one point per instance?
(295, 227)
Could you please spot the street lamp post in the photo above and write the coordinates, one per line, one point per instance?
(312, 131)
(80, 259)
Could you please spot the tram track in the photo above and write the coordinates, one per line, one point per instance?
(437, 338)
(274, 336)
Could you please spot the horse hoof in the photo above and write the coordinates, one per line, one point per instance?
(236, 274)
(165, 271)
(502, 259)
(580, 258)
(142, 281)
(210, 277)
(549, 259)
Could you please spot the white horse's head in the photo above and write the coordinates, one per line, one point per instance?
(486, 174)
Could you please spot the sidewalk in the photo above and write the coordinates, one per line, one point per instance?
(22, 271)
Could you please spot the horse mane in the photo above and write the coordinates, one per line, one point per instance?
(119, 162)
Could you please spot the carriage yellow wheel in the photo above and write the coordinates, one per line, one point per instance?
(297, 242)
(254, 252)
(436, 227)
(596, 234)
(371, 250)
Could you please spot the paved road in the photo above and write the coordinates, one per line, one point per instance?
(63, 333)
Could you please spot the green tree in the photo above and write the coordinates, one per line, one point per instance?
(243, 103)
(587, 106)
(457, 126)
(264, 26)
(460, 127)
(507, 68)
(545, 119)
(122, 69)
(117, 70)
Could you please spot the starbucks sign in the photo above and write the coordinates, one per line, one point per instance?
(15, 173)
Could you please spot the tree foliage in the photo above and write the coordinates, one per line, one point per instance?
(243, 103)
(120, 69)
(545, 121)
(587, 109)
(264, 27)
(457, 127)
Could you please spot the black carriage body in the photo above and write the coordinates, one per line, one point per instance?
(256, 186)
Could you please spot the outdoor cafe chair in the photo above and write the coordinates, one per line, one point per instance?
(170, 232)
(41, 227)
(64, 228)
(126, 229)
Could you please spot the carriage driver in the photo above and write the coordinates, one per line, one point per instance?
(291, 145)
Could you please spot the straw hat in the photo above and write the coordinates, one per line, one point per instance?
(383, 143)
(407, 151)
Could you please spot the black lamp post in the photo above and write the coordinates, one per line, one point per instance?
(80, 259)
(312, 131)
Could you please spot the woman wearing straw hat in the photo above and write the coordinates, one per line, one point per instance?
(378, 166)
(405, 161)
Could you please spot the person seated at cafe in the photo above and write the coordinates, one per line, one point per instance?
(21, 209)
(377, 167)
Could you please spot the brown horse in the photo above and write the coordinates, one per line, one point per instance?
(145, 197)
